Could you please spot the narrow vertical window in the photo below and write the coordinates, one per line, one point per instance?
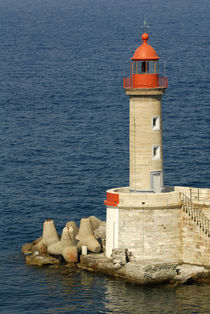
(156, 123)
(156, 152)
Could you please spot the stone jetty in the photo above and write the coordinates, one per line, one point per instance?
(84, 248)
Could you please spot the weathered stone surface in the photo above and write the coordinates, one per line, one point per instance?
(100, 234)
(95, 222)
(149, 273)
(67, 240)
(67, 246)
(36, 245)
(187, 273)
(73, 225)
(119, 257)
(55, 248)
(97, 263)
(40, 246)
(41, 260)
(86, 236)
(27, 248)
(70, 254)
(50, 234)
(37, 240)
(140, 273)
(195, 242)
(151, 234)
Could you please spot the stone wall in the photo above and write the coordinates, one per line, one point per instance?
(154, 227)
(151, 234)
(206, 212)
(144, 106)
(195, 243)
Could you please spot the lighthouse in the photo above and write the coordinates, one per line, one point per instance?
(145, 89)
(145, 220)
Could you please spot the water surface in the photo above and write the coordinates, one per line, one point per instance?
(64, 135)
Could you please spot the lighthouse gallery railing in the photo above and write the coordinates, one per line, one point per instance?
(128, 82)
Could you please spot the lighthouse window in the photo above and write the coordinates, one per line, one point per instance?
(156, 64)
(145, 67)
(156, 123)
(156, 152)
(134, 67)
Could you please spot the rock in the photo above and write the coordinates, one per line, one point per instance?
(71, 267)
(40, 246)
(27, 248)
(37, 240)
(187, 273)
(41, 260)
(149, 272)
(100, 234)
(86, 236)
(119, 257)
(73, 225)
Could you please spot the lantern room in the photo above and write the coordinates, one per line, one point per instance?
(144, 68)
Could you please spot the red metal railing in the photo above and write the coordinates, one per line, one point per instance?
(163, 82)
(128, 83)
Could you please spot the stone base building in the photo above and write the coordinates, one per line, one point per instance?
(170, 227)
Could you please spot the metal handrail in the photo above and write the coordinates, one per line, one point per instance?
(128, 82)
(195, 213)
(198, 194)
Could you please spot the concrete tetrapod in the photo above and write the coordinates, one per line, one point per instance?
(86, 236)
(95, 222)
(70, 254)
(73, 225)
(49, 236)
(100, 235)
(67, 246)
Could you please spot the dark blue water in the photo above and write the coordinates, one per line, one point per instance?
(64, 135)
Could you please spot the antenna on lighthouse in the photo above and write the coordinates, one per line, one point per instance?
(145, 25)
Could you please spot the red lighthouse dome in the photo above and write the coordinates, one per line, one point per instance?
(144, 68)
(145, 51)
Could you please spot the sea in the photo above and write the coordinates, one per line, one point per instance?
(64, 136)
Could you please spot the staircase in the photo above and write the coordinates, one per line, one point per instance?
(196, 214)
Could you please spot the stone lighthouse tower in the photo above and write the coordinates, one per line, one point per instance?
(145, 89)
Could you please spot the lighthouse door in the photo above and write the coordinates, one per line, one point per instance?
(156, 181)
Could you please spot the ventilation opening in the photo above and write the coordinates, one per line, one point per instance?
(156, 152)
(156, 123)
